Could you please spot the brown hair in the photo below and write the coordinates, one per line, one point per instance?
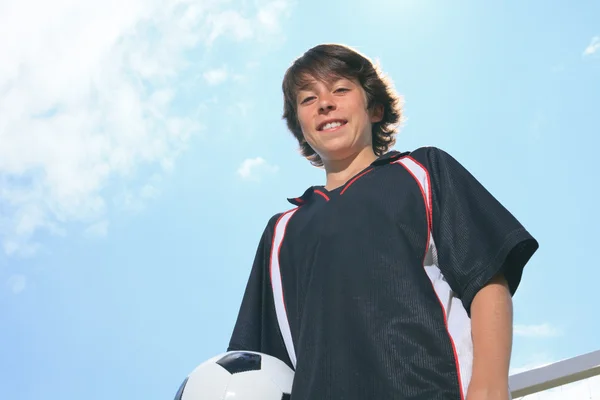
(333, 60)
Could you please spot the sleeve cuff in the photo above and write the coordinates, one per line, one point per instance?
(510, 260)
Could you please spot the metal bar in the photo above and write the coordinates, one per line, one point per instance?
(554, 375)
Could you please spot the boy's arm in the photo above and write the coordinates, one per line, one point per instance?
(482, 250)
(491, 327)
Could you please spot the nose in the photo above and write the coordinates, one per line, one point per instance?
(326, 105)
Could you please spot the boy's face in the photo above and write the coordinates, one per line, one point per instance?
(334, 118)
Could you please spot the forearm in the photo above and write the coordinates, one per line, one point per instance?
(491, 326)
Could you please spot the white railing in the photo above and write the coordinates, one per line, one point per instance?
(554, 375)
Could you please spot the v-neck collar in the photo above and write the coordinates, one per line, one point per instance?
(322, 192)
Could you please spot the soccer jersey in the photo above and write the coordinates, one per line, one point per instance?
(366, 290)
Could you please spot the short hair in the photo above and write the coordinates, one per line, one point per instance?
(327, 61)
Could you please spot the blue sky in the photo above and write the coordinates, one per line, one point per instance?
(142, 153)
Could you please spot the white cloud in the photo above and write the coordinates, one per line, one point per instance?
(17, 283)
(593, 47)
(537, 331)
(86, 99)
(229, 22)
(215, 76)
(240, 109)
(98, 229)
(253, 169)
(536, 361)
(272, 13)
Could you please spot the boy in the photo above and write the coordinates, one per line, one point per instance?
(394, 279)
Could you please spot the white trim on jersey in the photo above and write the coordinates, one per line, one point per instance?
(277, 285)
(457, 321)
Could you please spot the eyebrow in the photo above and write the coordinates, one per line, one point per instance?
(309, 86)
(306, 86)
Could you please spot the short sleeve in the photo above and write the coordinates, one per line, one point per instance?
(475, 236)
(256, 327)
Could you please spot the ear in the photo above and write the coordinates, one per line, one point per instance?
(377, 113)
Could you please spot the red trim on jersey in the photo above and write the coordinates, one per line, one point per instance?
(427, 209)
(430, 199)
(278, 251)
(429, 212)
(322, 194)
(280, 273)
(355, 179)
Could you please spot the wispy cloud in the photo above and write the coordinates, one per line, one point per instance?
(86, 99)
(98, 229)
(215, 76)
(536, 331)
(593, 47)
(271, 14)
(17, 283)
(253, 169)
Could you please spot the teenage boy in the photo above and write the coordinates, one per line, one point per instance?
(394, 280)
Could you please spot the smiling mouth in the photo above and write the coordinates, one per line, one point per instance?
(331, 125)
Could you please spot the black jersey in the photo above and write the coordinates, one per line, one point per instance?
(366, 290)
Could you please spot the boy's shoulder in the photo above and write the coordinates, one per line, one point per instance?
(424, 153)
(276, 218)
(427, 157)
(429, 154)
(430, 159)
(438, 163)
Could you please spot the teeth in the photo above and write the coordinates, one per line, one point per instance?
(332, 125)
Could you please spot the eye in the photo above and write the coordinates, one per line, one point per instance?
(339, 90)
(307, 99)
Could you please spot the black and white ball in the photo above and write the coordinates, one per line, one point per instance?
(239, 375)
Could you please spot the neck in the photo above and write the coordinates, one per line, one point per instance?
(338, 172)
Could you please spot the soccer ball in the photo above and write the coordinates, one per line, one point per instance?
(239, 375)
